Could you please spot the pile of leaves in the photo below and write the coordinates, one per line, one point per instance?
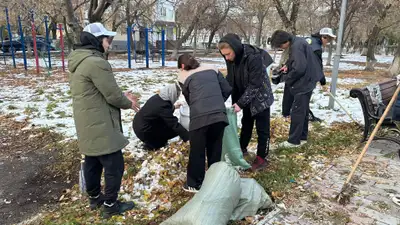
(155, 181)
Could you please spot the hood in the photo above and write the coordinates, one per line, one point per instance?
(76, 57)
(234, 41)
(90, 45)
(170, 93)
(184, 74)
(89, 41)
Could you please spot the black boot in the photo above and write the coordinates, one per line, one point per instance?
(116, 208)
(96, 202)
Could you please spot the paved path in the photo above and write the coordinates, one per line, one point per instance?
(376, 181)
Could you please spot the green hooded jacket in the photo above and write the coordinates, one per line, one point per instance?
(96, 102)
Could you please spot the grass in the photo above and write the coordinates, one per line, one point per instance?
(29, 110)
(11, 107)
(280, 178)
(51, 106)
(50, 97)
(40, 91)
(62, 114)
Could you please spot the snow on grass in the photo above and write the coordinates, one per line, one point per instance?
(50, 105)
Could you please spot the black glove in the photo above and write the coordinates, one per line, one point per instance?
(277, 76)
(323, 81)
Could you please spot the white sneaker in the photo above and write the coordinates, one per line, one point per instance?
(190, 189)
(286, 144)
(303, 142)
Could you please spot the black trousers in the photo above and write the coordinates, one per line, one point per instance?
(262, 120)
(113, 165)
(158, 137)
(206, 139)
(287, 101)
(299, 118)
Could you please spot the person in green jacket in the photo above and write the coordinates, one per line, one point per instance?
(96, 102)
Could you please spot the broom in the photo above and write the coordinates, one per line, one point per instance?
(344, 109)
(344, 195)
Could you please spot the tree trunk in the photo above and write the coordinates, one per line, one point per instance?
(73, 23)
(210, 39)
(260, 17)
(372, 40)
(97, 10)
(53, 28)
(289, 23)
(188, 32)
(195, 42)
(395, 67)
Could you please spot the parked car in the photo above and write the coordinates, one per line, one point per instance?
(41, 44)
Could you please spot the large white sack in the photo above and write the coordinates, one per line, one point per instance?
(216, 200)
(184, 115)
(252, 198)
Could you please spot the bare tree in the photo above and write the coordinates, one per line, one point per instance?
(382, 11)
(215, 18)
(395, 67)
(288, 21)
(190, 11)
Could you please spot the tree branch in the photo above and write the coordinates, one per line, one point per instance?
(81, 4)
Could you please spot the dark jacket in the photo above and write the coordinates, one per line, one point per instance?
(396, 109)
(304, 70)
(205, 91)
(316, 44)
(96, 99)
(248, 76)
(157, 115)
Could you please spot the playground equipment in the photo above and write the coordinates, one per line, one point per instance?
(41, 45)
(144, 40)
(150, 50)
(10, 38)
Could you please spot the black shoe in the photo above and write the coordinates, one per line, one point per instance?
(116, 209)
(190, 189)
(96, 202)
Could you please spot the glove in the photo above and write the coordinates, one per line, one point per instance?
(277, 75)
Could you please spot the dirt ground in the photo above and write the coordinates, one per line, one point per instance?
(28, 181)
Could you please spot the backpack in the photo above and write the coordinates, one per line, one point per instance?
(267, 59)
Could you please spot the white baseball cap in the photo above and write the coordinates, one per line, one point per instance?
(327, 32)
(97, 29)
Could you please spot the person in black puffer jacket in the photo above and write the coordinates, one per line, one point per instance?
(155, 122)
(251, 92)
(303, 73)
(205, 91)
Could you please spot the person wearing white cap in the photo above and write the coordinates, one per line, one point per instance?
(96, 102)
(317, 42)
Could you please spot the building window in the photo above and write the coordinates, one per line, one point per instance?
(163, 11)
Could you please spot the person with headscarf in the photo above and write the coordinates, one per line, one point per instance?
(155, 122)
(205, 91)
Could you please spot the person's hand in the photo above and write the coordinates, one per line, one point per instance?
(134, 99)
(135, 106)
(178, 105)
(236, 108)
(284, 69)
(131, 96)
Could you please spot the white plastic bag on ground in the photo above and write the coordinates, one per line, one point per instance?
(184, 117)
(252, 198)
(216, 200)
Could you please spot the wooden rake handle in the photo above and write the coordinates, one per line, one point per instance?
(378, 125)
